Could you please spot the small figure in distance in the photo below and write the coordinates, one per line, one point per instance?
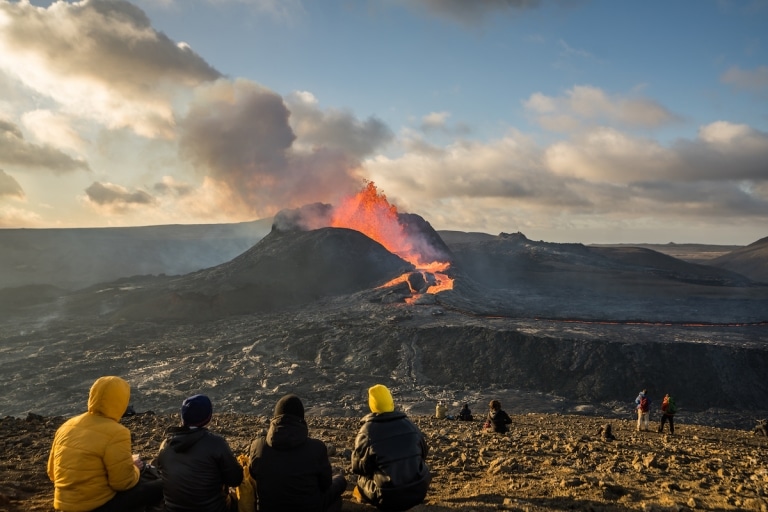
(668, 410)
(606, 432)
(91, 464)
(465, 414)
(440, 411)
(197, 466)
(643, 406)
(389, 456)
(498, 419)
(291, 469)
(761, 428)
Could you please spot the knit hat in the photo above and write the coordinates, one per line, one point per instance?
(380, 399)
(196, 411)
(290, 404)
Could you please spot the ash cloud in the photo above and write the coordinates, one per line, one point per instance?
(241, 135)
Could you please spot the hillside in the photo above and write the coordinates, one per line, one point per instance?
(546, 462)
(751, 261)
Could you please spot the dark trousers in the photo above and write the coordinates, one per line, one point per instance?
(147, 493)
(333, 494)
(667, 417)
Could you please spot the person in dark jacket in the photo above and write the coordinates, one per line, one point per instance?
(389, 456)
(465, 414)
(197, 467)
(497, 418)
(291, 469)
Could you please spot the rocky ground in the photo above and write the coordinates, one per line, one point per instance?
(546, 462)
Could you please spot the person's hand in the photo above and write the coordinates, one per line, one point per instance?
(137, 461)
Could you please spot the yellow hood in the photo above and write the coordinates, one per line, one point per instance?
(109, 397)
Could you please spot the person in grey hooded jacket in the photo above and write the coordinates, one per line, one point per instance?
(197, 467)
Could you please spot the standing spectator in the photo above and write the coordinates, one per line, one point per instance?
(389, 456)
(292, 470)
(91, 465)
(668, 410)
(643, 405)
(197, 466)
(498, 419)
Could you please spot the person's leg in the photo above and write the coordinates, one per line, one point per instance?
(639, 419)
(146, 493)
(332, 502)
(671, 424)
(646, 421)
(661, 424)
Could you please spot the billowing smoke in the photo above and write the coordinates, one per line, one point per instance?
(238, 133)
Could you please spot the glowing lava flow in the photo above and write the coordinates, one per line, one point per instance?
(370, 213)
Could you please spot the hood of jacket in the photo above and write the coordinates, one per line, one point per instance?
(109, 397)
(183, 438)
(286, 432)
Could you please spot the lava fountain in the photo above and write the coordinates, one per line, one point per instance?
(370, 213)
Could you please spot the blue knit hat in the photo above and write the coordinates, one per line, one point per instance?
(196, 411)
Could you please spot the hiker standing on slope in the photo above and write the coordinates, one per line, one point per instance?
(668, 410)
(643, 406)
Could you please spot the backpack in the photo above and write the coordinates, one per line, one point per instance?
(644, 404)
(671, 408)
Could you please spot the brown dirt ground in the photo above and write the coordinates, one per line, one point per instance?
(546, 462)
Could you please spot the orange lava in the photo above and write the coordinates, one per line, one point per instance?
(370, 213)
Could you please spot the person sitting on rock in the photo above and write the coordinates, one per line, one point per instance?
(389, 456)
(291, 469)
(498, 419)
(465, 414)
(197, 466)
(668, 410)
(91, 464)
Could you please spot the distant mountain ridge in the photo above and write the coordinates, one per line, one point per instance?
(751, 261)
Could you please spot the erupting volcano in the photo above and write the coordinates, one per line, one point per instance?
(370, 213)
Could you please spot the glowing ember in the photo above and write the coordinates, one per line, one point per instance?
(370, 213)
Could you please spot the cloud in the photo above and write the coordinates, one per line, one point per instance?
(476, 11)
(240, 135)
(9, 186)
(602, 176)
(438, 122)
(53, 128)
(335, 129)
(169, 186)
(755, 80)
(115, 198)
(17, 152)
(100, 59)
(13, 217)
(591, 105)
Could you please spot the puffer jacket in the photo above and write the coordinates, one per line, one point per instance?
(196, 465)
(390, 457)
(292, 470)
(91, 458)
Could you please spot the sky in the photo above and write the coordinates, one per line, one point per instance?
(569, 121)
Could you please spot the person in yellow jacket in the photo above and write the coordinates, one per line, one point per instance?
(91, 464)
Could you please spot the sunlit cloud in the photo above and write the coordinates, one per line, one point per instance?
(17, 152)
(755, 80)
(54, 129)
(100, 59)
(588, 105)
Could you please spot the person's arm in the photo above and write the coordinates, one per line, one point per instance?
(122, 473)
(51, 458)
(231, 470)
(507, 419)
(325, 475)
(360, 456)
